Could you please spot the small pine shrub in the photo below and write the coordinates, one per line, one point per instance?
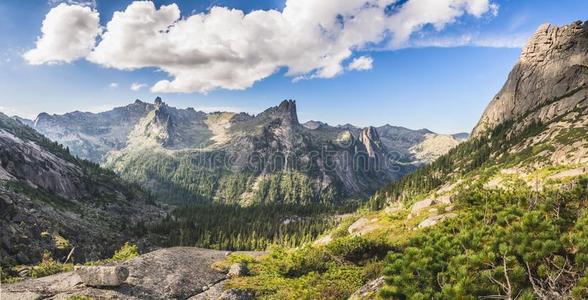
(126, 252)
(48, 266)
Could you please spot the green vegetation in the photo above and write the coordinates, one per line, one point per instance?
(233, 258)
(504, 244)
(514, 242)
(49, 266)
(334, 271)
(201, 177)
(126, 252)
(246, 228)
(481, 154)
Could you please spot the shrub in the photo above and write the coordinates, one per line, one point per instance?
(357, 249)
(306, 260)
(126, 252)
(48, 266)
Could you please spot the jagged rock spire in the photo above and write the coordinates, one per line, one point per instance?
(370, 138)
(285, 111)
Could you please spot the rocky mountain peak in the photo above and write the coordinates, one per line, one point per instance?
(288, 109)
(158, 102)
(285, 111)
(370, 138)
(550, 79)
(313, 125)
(42, 117)
(550, 40)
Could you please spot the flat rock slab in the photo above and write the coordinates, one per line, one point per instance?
(176, 273)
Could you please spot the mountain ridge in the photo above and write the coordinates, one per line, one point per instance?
(238, 138)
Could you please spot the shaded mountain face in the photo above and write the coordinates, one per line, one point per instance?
(184, 155)
(51, 201)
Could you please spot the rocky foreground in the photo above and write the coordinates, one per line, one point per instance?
(173, 273)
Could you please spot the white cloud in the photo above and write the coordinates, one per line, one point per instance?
(69, 32)
(227, 48)
(137, 86)
(362, 63)
(113, 85)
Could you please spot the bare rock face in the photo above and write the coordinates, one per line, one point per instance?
(430, 221)
(102, 276)
(550, 79)
(420, 205)
(369, 290)
(173, 273)
(371, 140)
(235, 294)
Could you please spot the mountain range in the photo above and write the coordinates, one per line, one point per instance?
(185, 155)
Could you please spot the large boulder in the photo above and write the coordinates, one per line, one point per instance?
(238, 269)
(364, 226)
(420, 205)
(102, 276)
(430, 221)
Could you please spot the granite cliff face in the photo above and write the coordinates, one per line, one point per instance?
(50, 200)
(549, 80)
(234, 158)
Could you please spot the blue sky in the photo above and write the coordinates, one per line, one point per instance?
(439, 79)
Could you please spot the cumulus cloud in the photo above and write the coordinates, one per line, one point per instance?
(230, 49)
(68, 33)
(113, 85)
(137, 86)
(362, 63)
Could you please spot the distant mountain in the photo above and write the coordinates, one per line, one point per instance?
(462, 136)
(51, 201)
(188, 155)
(24, 121)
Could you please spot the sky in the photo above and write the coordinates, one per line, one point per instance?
(416, 63)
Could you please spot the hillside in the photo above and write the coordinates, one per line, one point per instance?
(502, 215)
(188, 156)
(51, 201)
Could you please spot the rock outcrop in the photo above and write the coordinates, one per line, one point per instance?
(173, 273)
(550, 79)
(371, 141)
(369, 290)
